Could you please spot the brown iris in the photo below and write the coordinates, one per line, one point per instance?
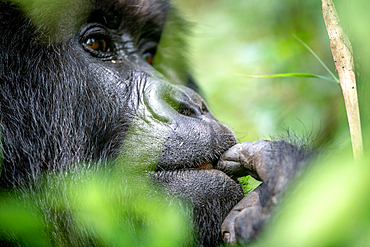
(97, 44)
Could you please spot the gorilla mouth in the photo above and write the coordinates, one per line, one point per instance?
(201, 166)
(205, 165)
(196, 162)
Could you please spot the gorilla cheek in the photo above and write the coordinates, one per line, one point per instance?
(144, 141)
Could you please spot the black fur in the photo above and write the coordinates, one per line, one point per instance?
(62, 102)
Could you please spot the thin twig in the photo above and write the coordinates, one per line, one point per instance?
(342, 53)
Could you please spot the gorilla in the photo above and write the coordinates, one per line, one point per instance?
(82, 82)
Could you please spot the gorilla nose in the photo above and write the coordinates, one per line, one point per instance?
(186, 102)
(194, 99)
(164, 100)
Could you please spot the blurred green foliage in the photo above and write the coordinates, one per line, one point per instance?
(56, 21)
(236, 38)
(329, 206)
(96, 207)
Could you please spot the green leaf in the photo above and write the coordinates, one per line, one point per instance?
(292, 75)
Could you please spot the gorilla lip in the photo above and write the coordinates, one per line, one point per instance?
(205, 166)
(202, 166)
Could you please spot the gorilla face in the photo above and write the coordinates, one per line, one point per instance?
(89, 93)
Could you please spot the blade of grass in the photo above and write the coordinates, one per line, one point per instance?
(292, 75)
(317, 57)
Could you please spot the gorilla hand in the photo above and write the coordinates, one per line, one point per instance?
(275, 163)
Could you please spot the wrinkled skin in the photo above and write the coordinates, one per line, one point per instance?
(84, 90)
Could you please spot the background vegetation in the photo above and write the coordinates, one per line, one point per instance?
(238, 37)
(329, 206)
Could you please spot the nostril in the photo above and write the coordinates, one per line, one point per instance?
(184, 106)
(187, 110)
(163, 100)
(183, 102)
(186, 102)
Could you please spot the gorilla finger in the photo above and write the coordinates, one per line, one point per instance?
(240, 160)
(247, 218)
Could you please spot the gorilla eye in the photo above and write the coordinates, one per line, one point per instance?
(148, 49)
(148, 56)
(97, 44)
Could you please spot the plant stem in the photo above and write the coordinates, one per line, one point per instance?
(342, 53)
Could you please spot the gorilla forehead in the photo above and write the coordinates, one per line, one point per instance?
(131, 13)
(59, 20)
